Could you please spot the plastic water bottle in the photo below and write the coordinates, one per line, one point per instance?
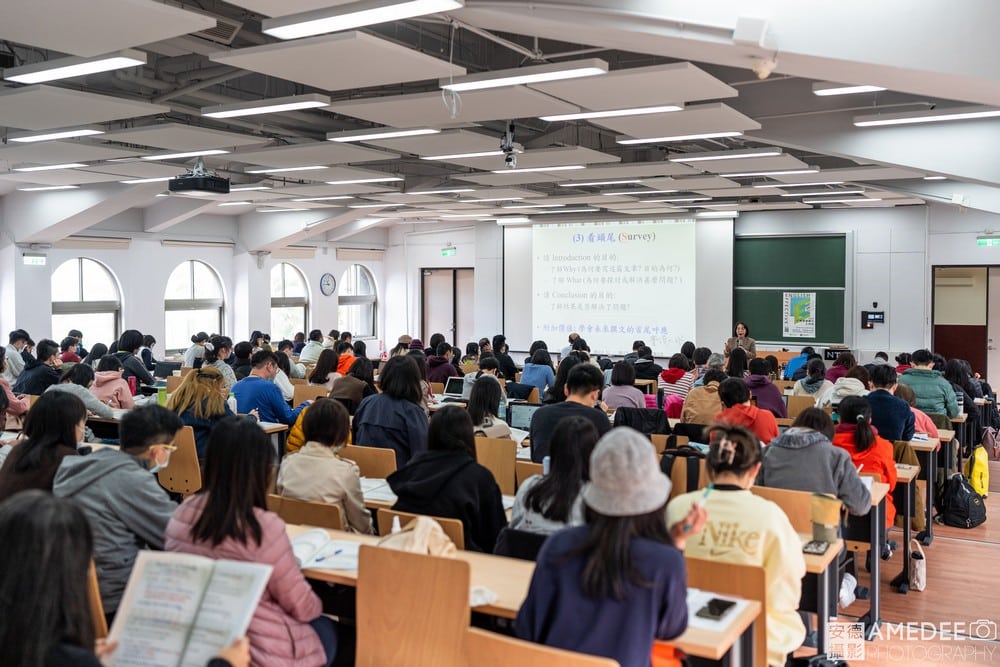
(545, 465)
(161, 396)
(132, 386)
(502, 410)
(395, 525)
(960, 398)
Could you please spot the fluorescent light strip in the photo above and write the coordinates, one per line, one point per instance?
(523, 75)
(462, 216)
(826, 89)
(823, 193)
(249, 188)
(378, 133)
(281, 170)
(462, 156)
(639, 192)
(488, 199)
(627, 140)
(178, 156)
(158, 179)
(357, 181)
(614, 113)
(65, 68)
(51, 167)
(786, 172)
(52, 136)
(44, 188)
(798, 185)
(941, 115)
(597, 183)
(839, 201)
(534, 206)
(726, 155)
(353, 15)
(587, 209)
(272, 105)
(674, 200)
(935, 178)
(383, 205)
(236, 203)
(304, 199)
(717, 214)
(280, 210)
(529, 170)
(513, 220)
(448, 191)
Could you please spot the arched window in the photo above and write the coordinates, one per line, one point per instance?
(85, 296)
(356, 306)
(289, 302)
(193, 302)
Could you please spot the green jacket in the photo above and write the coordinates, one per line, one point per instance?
(934, 393)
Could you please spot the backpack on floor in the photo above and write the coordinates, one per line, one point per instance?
(959, 505)
(977, 470)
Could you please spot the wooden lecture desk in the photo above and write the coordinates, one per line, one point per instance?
(825, 568)
(876, 531)
(926, 451)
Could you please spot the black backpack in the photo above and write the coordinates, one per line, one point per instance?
(690, 475)
(959, 505)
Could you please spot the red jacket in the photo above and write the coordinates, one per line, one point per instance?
(761, 422)
(876, 459)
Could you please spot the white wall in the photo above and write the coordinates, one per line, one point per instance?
(952, 236)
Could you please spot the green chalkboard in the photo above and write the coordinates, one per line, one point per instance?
(789, 261)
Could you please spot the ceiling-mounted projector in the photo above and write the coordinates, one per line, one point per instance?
(199, 179)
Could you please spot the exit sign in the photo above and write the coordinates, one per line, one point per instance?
(988, 242)
(449, 252)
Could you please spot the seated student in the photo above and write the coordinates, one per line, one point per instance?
(769, 397)
(548, 503)
(345, 356)
(432, 346)
(325, 371)
(52, 430)
(67, 349)
(146, 353)
(287, 348)
(125, 505)
(241, 359)
(855, 383)
(200, 402)
(736, 364)
(677, 379)
(803, 458)
(97, 352)
(298, 342)
(217, 350)
(488, 367)
(196, 352)
(854, 434)
(795, 363)
(484, 406)
(447, 481)
(921, 422)
(738, 411)
(310, 351)
(702, 403)
(557, 391)
(903, 362)
(954, 372)
(535, 346)
(317, 474)
(39, 372)
(502, 353)
(646, 367)
(15, 362)
(394, 418)
(699, 358)
(109, 386)
(716, 362)
(471, 355)
(128, 346)
(582, 388)
(845, 361)
(357, 385)
(623, 393)
(360, 349)
(257, 391)
(748, 530)
(229, 519)
(890, 415)
(633, 356)
(281, 380)
(15, 406)
(802, 371)
(538, 372)
(77, 381)
(881, 359)
(439, 366)
(814, 383)
(614, 585)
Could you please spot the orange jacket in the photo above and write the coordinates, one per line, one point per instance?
(876, 459)
(761, 422)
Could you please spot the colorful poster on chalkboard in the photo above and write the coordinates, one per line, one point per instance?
(799, 315)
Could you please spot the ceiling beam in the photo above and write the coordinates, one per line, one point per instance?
(271, 231)
(173, 210)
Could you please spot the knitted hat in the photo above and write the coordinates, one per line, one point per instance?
(416, 344)
(625, 478)
(404, 340)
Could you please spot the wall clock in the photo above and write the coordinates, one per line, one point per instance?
(327, 284)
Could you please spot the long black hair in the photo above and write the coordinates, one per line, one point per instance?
(47, 547)
(238, 464)
(80, 374)
(51, 423)
(325, 364)
(363, 370)
(570, 445)
(400, 378)
(484, 401)
(858, 411)
(557, 392)
(450, 430)
(737, 366)
(97, 351)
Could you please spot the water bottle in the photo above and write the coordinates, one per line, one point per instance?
(960, 397)
(161, 396)
(132, 387)
(545, 465)
(502, 410)
(395, 525)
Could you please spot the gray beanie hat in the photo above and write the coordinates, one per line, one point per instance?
(625, 478)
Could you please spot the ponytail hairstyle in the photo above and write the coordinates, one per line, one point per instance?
(816, 370)
(215, 345)
(857, 410)
(731, 449)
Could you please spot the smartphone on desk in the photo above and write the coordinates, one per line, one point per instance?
(715, 609)
(815, 547)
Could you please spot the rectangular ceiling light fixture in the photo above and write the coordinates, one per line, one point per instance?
(630, 181)
(839, 201)
(270, 105)
(639, 192)
(613, 113)
(248, 188)
(521, 75)
(566, 167)
(446, 191)
(158, 179)
(358, 181)
(180, 156)
(935, 178)
(51, 167)
(378, 133)
(937, 116)
(45, 188)
(280, 210)
(582, 209)
(628, 141)
(66, 68)
(278, 170)
(32, 137)
(462, 156)
(304, 199)
(825, 89)
(798, 185)
(785, 172)
(824, 193)
(709, 156)
(353, 15)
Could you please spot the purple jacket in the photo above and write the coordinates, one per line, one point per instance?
(439, 369)
(769, 397)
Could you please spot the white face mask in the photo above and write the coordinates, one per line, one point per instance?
(157, 467)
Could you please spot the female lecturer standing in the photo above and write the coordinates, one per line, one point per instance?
(741, 338)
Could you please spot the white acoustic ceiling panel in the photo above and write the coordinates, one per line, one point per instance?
(95, 27)
(742, 192)
(691, 183)
(59, 177)
(317, 153)
(449, 142)
(667, 210)
(429, 109)
(576, 200)
(851, 174)
(409, 199)
(640, 87)
(339, 61)
(542, 157)
(286, 7)
(631, 170)
(324, 190)
(61, 152)
(138, 169)
(696, 119)
(178, 137)
(758, 206)
(512, 177)
(41, 107)
(744, 165)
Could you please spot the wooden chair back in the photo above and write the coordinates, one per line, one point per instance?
(183, 476)
(796, 404)
(490, 649)
(96, 606)
(437, 387)
(745, 581)
(784, 384)
(303, 513)
(498, 455)
(517, 376)
(525, 469)
(795, 505)
(174, 381)
(452, 527)
(412, 620)
(533, 397)
(308, 392)
(186, 369)
(298, 381)
(469, 368)
(374, 462)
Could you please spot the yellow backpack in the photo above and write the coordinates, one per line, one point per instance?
(977, 470)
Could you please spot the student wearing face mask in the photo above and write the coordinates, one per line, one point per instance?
(125, 504)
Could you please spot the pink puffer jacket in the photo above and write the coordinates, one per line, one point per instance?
(280, 635)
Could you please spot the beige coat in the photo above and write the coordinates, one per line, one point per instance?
(316, 474)
(493, 428)
(702, 404)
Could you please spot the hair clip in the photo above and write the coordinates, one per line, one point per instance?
(209, 347)
(860, 418)
(727, 446)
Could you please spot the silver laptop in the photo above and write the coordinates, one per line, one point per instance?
(521, 414)
(453, 390)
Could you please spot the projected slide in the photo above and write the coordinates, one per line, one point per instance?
(615, 283)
